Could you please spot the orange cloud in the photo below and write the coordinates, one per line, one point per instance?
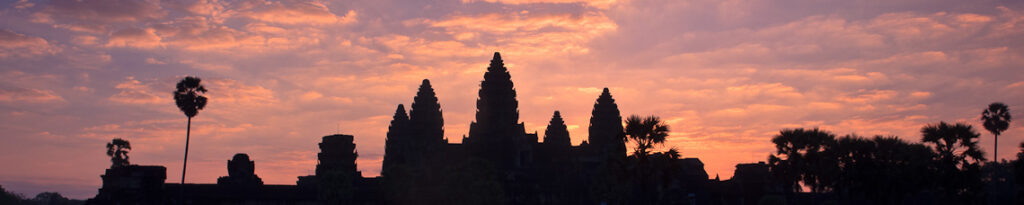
(27, 96)
(725, 75)
(603, 4)
(134, 92)
(294, 12)
(134, 37)
(231, 93)
(15, 45)
(528, 34)
(93, 12)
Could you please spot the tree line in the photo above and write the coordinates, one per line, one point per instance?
(947, 166)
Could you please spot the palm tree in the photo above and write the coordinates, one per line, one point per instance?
(997, 120)
(645, 132)
(803, 155)
(958, 159)
(117, 149)
(956, 143)
(190, 100)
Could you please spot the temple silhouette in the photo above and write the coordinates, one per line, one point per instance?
(498, 162)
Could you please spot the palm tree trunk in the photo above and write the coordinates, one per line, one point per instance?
(188, 132)
(995, 150)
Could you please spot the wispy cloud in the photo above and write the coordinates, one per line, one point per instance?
(726, 75)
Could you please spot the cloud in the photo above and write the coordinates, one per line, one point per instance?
(525, 34)
(23, 4)
(135, 92)
(604, 4)
(134, 37)
(237, 94)
(28, 96)
(294, 12)
(726, 75)
(16, 45)
(99, 11)
(496, 23)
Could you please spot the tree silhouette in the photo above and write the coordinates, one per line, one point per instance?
(904, 169)
(801, 157)
(955, 144)
(882, 170)
(189, 98)
(51, 198)
(855, 159)
(996, 120)
(10, 197)
(117, 149)
(958, 157)
(665, 172)
(645, 132)
(611, 183)
(1019, 167)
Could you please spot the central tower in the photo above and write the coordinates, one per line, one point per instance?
(497, 135)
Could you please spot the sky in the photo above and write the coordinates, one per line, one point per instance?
(724, 75)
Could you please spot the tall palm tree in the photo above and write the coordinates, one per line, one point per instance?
(190, 100)
(117, 149)
(996, 120)
(645, 132)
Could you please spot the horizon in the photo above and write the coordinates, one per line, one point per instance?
(282, 74)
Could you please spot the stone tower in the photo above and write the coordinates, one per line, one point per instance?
(497, 135)
(426, 121)
(336, 174)
(557, 134)
(241, 172)
(337, 155)
(555, 150)
(397, 142)
(607, 138)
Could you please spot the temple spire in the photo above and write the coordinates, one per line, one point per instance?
(399, 114)
(497, 134)
(396, 143)
(497, 107)
(425, 117)
(606, 134)
(557, 134)
(497, 65)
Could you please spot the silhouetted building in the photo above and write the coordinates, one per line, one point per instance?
(497, 135)
(426, 121)
(607, 138)
(241, 173)
(557, 134)
(397, 144)
(337, 179)
(132, 184)
(497, 162)
(337, 154)
(750, 184)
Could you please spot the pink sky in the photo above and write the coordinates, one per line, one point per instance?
(725, 75)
